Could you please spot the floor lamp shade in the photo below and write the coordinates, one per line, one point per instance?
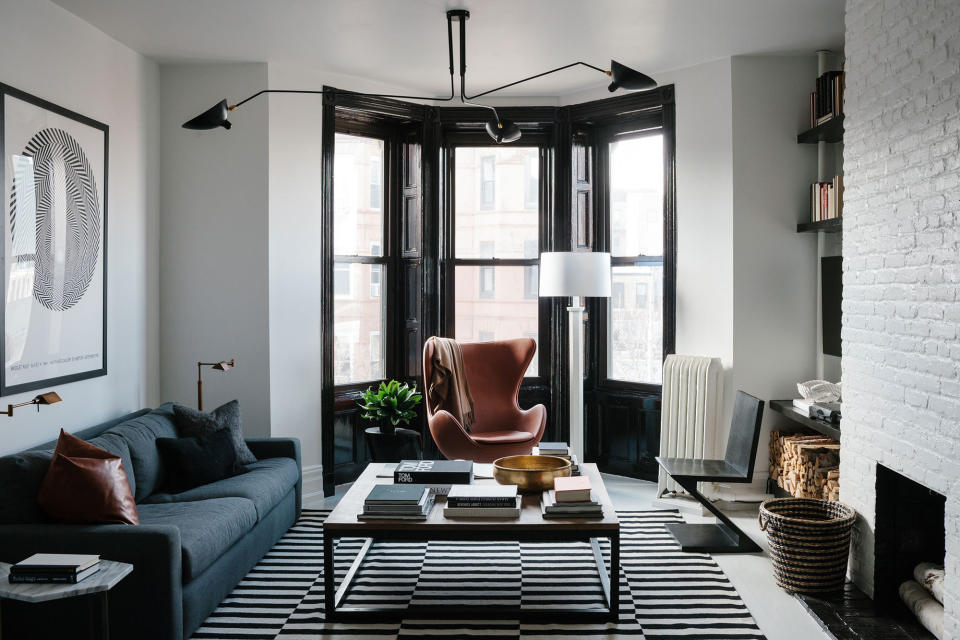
(564, 273)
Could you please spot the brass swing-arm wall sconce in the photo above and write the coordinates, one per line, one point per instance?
(223, 365)
(621, 76)
(50, 397)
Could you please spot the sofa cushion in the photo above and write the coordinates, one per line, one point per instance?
(141, 435)
(207, 528)
(193, 423)
(117, 445)
(264, 482)
(20, 477)
(86, 485)
(194, 462)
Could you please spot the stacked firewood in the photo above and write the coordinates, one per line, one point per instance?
(805, 466)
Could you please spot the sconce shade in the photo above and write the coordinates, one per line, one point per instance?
(574, 273)
(503, 131)
(215, 116)
(223, 365)
(50, 397)
(626, 78)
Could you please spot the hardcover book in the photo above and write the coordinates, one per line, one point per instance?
(473, 495)
(512, 511)
(393, 494)
(546, 448)
(572, 489)
(434, 473)
(56, 562)
(63, 577)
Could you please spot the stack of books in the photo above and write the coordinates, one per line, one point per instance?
(570, 498)
(482, 501)
(62, 568)
(560, 450)
(827, 101)
(826, 199)
(397, 502)
(437, 475)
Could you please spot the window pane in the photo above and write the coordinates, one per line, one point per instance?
(357, 196)
(636, 196)
(635, 334)
(358, 323)
(493, 190)
(503, 314)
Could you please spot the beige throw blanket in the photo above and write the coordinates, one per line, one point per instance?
(448, 389)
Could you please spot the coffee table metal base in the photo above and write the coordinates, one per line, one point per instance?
(335, 597)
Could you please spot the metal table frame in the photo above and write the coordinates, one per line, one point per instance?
(335, 597)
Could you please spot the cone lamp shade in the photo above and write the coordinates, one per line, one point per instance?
(565, 273)
(626, 78)
(503, 131)
(215, 116)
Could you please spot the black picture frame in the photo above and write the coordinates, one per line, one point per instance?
(101, 370)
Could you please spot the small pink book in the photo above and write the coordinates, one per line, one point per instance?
(572, 489)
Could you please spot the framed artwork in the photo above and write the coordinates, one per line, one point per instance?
(53, 167)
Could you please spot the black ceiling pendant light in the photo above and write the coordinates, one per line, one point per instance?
(499, 129)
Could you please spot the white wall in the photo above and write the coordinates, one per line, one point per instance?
(56, 56)
(774, 267)
(213, 241)
(901, 243)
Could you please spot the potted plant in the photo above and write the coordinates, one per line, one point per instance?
(392, 404)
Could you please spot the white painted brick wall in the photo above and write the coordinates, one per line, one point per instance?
(901, 246)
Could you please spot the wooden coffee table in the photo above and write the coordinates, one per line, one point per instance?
(529, 527)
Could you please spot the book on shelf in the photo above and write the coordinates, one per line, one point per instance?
(438, 475)
(475, 496)
(826, 102)
(572, 489)
(512, 511)
(826, 199)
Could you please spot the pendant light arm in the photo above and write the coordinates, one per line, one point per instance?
(539, 75)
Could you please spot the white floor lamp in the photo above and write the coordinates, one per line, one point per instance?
(578, 275)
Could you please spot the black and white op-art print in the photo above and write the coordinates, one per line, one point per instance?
(54, 285)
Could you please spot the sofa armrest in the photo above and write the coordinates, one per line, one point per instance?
(275, 448)
(280, 448)
(148, 603)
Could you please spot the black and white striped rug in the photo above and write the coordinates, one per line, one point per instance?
(664, 593)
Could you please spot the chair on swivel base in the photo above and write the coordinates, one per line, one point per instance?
(737, 466)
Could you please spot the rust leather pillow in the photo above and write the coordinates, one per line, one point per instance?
(86, 484)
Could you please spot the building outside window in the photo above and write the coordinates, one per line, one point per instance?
(496, 244)
(359, 267)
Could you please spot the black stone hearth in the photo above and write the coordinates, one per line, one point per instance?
(909, 529)
(854, 616)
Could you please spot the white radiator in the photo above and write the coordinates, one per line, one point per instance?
(690, 413)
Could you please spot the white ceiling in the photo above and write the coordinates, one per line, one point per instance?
(403, 42)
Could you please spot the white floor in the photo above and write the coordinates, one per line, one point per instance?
(779, 615)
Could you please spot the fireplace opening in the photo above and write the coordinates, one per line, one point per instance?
(909, 530)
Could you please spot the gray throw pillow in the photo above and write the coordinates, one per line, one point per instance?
(193, 424)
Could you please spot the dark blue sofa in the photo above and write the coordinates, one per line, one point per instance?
(189, 550)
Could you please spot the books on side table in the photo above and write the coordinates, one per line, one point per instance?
(438, 475)
(483, 501)
(570, 498)
(397, 502)
(63, 568)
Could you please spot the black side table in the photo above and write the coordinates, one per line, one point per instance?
(402, 444)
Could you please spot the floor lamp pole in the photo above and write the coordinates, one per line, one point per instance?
(575, 328)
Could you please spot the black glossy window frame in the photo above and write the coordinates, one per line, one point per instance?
(420, 265)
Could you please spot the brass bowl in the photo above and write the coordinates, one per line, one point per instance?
(531, 474)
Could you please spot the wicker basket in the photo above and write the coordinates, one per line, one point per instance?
(809, 542)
